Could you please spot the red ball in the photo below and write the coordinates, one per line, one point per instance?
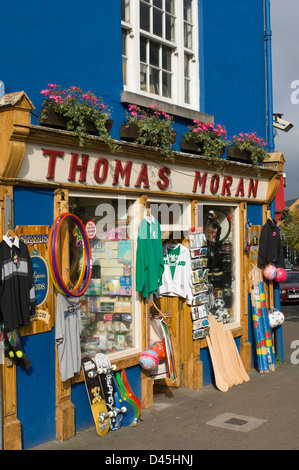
(159, 349)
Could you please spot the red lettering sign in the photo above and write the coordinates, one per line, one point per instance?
(101, 162)
(201, 180)
(123, 172)
(52, 161)
(163, 173)
(74, 167)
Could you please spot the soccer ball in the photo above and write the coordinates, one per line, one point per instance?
(280, 317)
(219, 303)
(273, 320)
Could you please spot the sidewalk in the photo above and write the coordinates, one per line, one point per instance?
(260, 414)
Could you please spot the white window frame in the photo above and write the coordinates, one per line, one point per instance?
(178, 82)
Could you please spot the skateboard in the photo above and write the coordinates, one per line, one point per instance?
(129, 390)
(104, 370)
(95, 395)
(125, 396)
(129, 415)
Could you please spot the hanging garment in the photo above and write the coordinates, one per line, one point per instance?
(149, 257)
(270, 246)
(176, 279)
(17, 291)
(68, 328)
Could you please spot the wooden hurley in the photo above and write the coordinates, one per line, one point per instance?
(228, 367)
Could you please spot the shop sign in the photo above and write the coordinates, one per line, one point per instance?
(91, 229)
(50, 164)
(40, 277)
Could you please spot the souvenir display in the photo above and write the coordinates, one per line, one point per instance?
(106, 306)
(199, 276)
(176, 278)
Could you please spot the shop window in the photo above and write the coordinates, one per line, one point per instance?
(174, 218)
(108, 307)
(217, 259)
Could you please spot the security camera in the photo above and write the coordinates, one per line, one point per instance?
(281, 124)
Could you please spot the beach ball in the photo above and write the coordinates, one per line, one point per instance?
(159, 349)
(270, 272)
(148, 359)
(281, 275)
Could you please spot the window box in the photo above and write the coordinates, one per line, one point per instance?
(130, 133)
(189, 146)
(237, 155)
(58, 121)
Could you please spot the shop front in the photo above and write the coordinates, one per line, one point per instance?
(198, 218)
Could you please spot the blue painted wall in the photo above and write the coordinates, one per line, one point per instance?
(36, 386)
(86, 51)
(233, 64)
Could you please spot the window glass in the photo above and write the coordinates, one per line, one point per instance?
(125, 10)
(144, 16)
(157, 22)
(107, 308)
(218, 256)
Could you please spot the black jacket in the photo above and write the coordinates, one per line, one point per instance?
(270, 246)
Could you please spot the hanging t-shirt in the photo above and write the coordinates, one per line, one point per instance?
(17, 291)
(68, 328)
(149, 257)
(176, 279)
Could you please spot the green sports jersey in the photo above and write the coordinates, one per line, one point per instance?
(149, 257)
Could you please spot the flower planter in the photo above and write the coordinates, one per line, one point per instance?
(237, 155)
(190, 146)
(58, 121)
(130, 133)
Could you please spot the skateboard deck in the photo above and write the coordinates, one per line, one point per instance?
(129, 414)
(95, 396)
(105, 374)
(125, 396)
(129, 390)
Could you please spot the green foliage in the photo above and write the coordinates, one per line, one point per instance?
(289, 229)
(79, 110)
(154, 127)
(252, 144)
(211, 140)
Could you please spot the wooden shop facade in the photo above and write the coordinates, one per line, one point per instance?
(44, 173)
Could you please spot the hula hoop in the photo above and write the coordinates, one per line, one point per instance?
(53, 257)
(55, 263)
(50, 263)
(55, 254)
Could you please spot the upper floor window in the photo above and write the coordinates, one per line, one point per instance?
(160, 50)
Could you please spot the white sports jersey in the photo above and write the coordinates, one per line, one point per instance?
(176, 280)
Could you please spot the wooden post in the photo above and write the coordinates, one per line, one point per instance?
(12, 439)
(65, 410)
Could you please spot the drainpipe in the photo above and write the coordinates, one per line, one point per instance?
(268, 42)
(271, 148)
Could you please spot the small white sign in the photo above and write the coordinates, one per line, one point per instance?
(91, 229)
